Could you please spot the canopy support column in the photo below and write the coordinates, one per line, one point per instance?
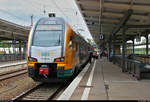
(147, 44)
(133, 45)
(114, 52)
(123, 48)
(110, 42)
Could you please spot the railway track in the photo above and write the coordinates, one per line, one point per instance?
(40, 92)
(45, 91)
(11, 74)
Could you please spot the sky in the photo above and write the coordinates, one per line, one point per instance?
(20, 12)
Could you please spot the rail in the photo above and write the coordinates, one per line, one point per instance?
(12, 70)
(12, 74)
(42, 91)
(11, 57)
(12, 64)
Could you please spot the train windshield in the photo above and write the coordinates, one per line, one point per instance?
(47, 36)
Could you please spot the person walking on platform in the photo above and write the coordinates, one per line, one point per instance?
(101, 54)
(90, 58)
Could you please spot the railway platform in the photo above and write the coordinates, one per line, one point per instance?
(6, 67)
(103, 80)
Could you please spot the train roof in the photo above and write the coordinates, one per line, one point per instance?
(44, 19)
(51, 18)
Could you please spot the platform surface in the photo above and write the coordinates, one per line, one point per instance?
(12, 62)
(106, 82)
(11, 66)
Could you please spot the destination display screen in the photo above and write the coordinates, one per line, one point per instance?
(49, 27)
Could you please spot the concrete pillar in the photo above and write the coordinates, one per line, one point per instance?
(23, 54)
(24, 49)
(133, 45)
(114, 52)
(146, 44)
(123, 49)
(13, 45)
(110, 42)
(14, 50)
(20, 47)
(117, 49)
(114, 44)
(20, 53)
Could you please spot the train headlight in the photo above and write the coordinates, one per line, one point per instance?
(32, 59)
(59, 59)
(62, 59)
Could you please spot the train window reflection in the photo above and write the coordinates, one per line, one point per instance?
(70, 44)
(47, 38)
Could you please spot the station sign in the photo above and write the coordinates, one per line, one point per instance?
(101, 37)
(14, 41)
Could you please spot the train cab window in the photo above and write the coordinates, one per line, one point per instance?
(70, 43)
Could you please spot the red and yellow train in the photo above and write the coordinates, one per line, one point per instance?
(55, 51)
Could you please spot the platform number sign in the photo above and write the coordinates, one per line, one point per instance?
(101, 37)
(14, 41)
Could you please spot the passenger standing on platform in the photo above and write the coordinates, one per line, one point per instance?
(101, 54)
(90, 58)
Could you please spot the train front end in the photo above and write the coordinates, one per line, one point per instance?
(46, 49)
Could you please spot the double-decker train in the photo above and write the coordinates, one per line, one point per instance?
(55, 51)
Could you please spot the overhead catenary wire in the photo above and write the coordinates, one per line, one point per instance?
(47, 5)
(18, 17)
(37, 4)
(37, 8)
(4, 11)
(21, 17)
(59, 9)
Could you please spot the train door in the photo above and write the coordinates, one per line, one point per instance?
(77, 52)
(71, 50)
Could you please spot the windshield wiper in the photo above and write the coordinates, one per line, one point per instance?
(59, 39)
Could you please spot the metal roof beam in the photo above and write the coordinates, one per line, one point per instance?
(123, 21)
(14, 25)
(118, 14)
(128, 2)
(126, 35)
(20, 34)
(138, 26)
(126, 6)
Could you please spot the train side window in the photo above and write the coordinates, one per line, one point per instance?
(70, 37)
(76, 46)
(70, 43)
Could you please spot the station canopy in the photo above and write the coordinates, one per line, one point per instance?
(12, 31)
(113, 15)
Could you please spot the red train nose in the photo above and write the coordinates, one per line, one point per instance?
(44, 71)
